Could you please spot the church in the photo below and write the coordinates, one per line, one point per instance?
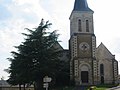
(89, 65)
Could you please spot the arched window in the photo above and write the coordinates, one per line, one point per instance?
(79, 26)
(87, 26)
(101, 69)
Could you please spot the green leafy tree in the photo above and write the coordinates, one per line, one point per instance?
(36, 57)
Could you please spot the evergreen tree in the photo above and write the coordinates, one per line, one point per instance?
(36, 57)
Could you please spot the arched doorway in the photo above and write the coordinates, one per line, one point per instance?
(84, 74)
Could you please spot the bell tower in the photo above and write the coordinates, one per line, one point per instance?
(82, 45)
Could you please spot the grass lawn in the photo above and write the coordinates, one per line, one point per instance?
(103, 87)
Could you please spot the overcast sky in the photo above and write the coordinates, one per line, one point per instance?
(15, 15)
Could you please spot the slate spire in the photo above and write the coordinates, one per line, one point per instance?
(81, 5)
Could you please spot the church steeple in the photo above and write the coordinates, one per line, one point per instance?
(82, 44)
(81, 18)
(81, 5)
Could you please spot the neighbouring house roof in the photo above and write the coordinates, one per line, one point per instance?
(4, 83)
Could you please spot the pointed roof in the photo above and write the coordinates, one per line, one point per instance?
(81, 5)
(58, 47)
(103, 53)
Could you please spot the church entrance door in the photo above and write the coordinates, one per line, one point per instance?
(84, 76)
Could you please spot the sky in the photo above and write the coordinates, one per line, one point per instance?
(15, 15)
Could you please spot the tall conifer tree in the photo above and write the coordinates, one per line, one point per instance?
(36, 57)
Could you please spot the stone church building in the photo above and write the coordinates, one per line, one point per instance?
(89, 65)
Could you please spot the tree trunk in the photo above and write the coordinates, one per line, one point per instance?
(19, 87)
(24, 87)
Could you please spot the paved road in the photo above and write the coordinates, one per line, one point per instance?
(115, 88)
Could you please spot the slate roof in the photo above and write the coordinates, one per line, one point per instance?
(3, 83)
(81, 5)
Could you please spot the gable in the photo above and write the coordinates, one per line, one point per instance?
(103, 53)
(58, 47)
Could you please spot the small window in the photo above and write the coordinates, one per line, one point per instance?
(79, 26)
(87, 26)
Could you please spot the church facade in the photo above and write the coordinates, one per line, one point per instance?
(88, 65)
